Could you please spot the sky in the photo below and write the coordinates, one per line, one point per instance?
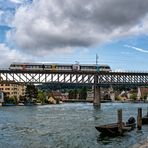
(66, 31)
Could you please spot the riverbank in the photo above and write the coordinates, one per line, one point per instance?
(72, 101)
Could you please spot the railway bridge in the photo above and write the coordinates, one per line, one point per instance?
(95, 79)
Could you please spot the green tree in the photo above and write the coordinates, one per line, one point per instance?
(21, 98)
(73, 94)
(133, 96)
(144, 96)
(83, 93)
(41, 97)
(11, 100)
(70, 95)
(31, 93)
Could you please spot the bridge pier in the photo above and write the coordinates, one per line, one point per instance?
(97, 96)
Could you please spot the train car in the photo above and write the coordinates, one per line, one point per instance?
(103, 68)
(88, 67)
(60, 67)
(94, 67)
(40, 66)
(28, 66)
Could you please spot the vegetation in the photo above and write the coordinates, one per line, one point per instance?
(62, 87)
(133, 96)
(78, 93)
(117, 98)
(31, 93)
(73, 94)
(10, 100)
(83, 93)
(144, 97)
(41, 97)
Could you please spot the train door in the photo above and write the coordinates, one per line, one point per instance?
(53, 67)
(76, 67)
(24, 67)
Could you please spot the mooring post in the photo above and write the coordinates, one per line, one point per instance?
(120, 121)
(139, 119)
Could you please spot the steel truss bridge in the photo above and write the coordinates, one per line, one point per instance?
(95, 79)
(75, 77)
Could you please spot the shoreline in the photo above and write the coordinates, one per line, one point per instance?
(73, 101)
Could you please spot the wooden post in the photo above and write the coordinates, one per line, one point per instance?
(120, 121)
(139, 119)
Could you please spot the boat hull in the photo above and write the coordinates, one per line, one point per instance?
(113, 129)
(145, 120)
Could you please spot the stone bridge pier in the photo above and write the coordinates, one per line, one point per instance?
(97, 93)
(97, 96)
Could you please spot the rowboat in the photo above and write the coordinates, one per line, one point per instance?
(114, 128)
(145, 119)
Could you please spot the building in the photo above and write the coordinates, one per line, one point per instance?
(12, 89)
(57, 95)
(90, 95)
(142, 93)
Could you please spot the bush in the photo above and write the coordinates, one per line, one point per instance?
(133, 96)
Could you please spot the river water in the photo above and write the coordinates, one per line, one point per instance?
(70, 125)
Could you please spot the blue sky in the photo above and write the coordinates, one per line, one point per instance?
(62, 31)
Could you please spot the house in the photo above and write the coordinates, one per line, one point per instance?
(11, 88)
(57, 95)
(90, 95)
(142, 93)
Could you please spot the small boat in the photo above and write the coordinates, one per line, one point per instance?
(113, 128)
(145, 119)
(20, 104)
(109, 129)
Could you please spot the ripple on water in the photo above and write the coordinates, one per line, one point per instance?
(65, 126)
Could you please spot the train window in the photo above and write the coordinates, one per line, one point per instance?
(47, 66)
(12, 66)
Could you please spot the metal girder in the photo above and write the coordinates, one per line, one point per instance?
(75, 77)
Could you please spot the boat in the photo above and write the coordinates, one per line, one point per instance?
(113, 128)
(109, 129)
(145, 119)
(20, 104)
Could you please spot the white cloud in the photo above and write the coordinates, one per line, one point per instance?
(136, 48)
(1, 12)
(8, 56)
(17, 1)
(63, 24)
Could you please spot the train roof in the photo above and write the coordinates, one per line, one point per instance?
(24, 63)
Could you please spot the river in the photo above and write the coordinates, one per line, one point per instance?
(69, 125)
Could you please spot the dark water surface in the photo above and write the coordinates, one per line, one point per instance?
(65, 126)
